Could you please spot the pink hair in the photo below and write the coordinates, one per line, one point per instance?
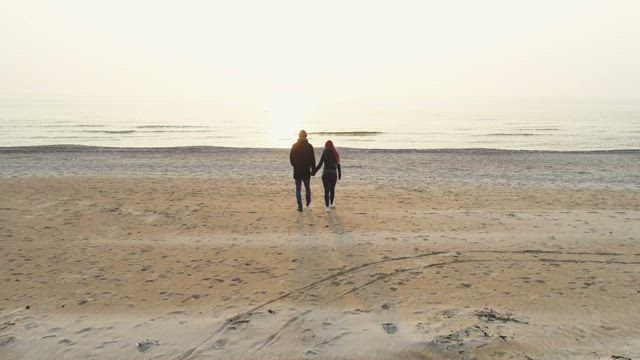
(329, 146)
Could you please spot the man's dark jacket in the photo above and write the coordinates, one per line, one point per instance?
(302, 159)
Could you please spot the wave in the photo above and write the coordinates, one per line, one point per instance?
(540, 128)
(64, 126)
(173, 131)
(171, 127)
(347, 133)
(513, 134)
(109, 131)
(65, 137)
(120, 132)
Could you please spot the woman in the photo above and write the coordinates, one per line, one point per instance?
(331, 173)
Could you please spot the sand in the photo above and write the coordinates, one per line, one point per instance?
(199, 254)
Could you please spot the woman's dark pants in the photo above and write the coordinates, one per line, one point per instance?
(329, 181)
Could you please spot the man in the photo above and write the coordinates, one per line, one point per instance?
(303, 160)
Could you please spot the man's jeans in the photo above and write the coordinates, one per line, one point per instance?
(307, 190)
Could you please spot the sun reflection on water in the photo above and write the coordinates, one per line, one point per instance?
(287, 114)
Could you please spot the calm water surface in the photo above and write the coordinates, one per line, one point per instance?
(516, 124)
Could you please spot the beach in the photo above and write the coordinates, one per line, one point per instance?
(199, 253)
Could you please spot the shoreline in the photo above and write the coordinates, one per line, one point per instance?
(207, 148)
(411, 169)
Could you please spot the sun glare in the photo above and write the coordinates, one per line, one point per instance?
(287, 114)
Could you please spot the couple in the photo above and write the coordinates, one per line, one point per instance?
(303, 160)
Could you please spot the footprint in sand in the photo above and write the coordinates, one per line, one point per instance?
(389, 328)
(6, 340)
(146, 345)
(448, 313)
(66, 342)
(6, 325)
(307, 336)
(220, 343)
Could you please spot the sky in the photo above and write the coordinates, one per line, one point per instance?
(282, 50)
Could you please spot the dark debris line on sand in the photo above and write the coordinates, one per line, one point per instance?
(489, 314)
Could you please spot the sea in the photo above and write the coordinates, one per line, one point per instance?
(515, 123)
